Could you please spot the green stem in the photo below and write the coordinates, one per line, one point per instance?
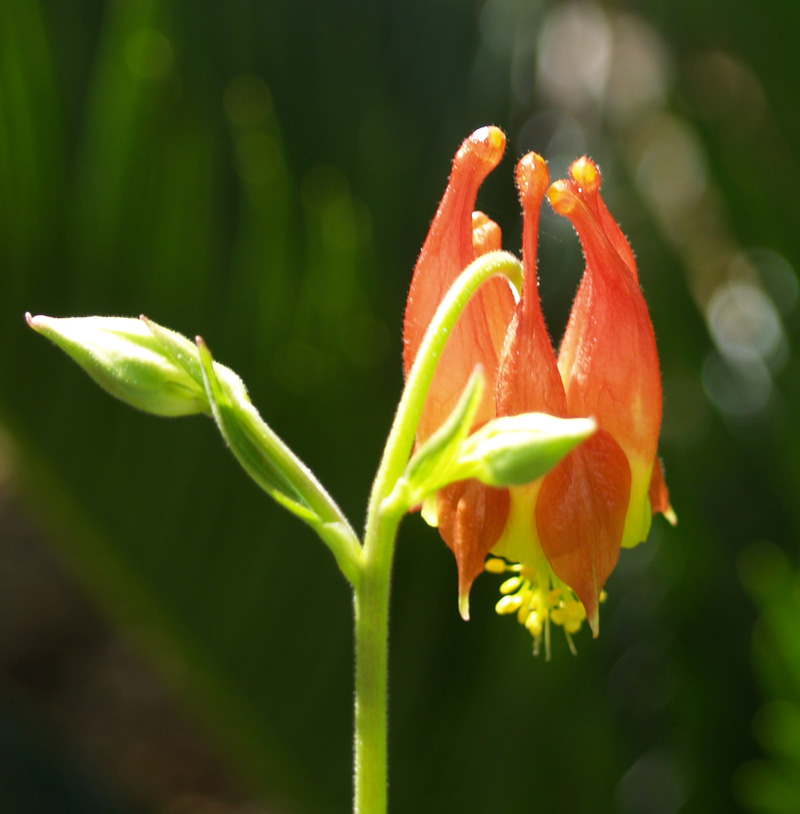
(371, 607)
(371, 590)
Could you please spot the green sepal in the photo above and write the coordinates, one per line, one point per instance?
(181, 350)
(185, 354)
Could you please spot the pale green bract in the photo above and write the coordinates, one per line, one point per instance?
(515, 450)
(504, 452)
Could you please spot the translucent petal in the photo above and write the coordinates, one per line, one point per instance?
(479, 334)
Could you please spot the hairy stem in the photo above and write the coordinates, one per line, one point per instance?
(371, 590)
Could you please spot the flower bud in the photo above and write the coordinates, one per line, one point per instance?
(126, 359)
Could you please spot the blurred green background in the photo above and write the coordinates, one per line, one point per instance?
(264, 173)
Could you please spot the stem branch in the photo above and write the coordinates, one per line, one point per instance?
(371, 590)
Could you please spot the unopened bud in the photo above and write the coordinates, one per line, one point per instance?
(127, 360)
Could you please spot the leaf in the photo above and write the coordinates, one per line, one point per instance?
(427, 469)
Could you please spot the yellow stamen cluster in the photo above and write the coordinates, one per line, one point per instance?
(538, 600)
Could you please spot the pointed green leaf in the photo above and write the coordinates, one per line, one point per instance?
(427, 467)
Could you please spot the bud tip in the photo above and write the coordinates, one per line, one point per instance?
(562, 197)
(486, 144)
(532, 176)
(586, 174)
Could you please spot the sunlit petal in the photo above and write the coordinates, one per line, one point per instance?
(471, 518)
(479, 334)
(581, 514)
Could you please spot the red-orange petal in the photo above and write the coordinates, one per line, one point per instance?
(609, 364)
(581, 514)
(659, 494)
(471, 519)
(480, 331)
(608, 358)
(486, 235)
(587, 176)
(528, 379)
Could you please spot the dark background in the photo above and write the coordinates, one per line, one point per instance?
(264, 173)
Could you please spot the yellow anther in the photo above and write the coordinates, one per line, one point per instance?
(508, 604)
(534, 624)
(554, 597)
(575, 610)
(494, 565)
(527, 593)
(603, 596)
(510, 585)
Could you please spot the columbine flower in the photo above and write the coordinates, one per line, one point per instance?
(559, 536)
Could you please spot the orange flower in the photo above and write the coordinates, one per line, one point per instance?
(561, 535)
